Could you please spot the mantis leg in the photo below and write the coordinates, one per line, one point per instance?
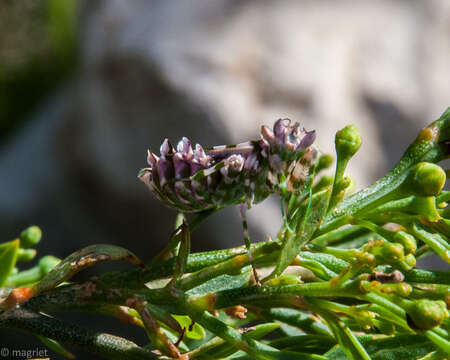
(169, 251)
(243, 211)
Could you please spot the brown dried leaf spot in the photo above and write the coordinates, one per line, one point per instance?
(237, 311)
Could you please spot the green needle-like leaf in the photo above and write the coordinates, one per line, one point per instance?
(434, 241)
(400, 347)
(344, 336)
(8, 258)
(56, 347)
(312, 219)
(193, 330)
(183, 252)
(83, 259)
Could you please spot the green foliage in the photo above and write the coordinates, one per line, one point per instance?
(340, 282)
(8, 258)
(192, 329)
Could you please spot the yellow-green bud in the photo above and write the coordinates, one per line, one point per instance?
(426, 314)
(403, 289)
(410, 260)
(426, 179)
(26, 254)
(343, 184)
(30, 237)
(47, 263)
(347, 141)
(392, 252)
(407, 240)
(324, 162)
(323, 182)
(286, 279)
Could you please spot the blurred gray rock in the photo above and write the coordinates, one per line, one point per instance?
(216, 71)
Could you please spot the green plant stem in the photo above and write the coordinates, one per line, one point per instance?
(136, 277)
(306, 322)
(228, 266)
(438, 340)
(218, 348)
(105, 345)
(338, 235)
(263, 294)
(429, 146)
(234, 337)
(344, 336)
(434, 241)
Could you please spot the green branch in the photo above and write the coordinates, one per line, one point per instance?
(102, 344)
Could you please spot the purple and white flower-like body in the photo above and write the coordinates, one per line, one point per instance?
(193, 179)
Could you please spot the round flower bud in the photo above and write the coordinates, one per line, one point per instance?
(47, 263)
(26, 254)
(403, 289)
(410, 260)
(324, 162)
(348, 141)
(392, 252)
(426, 314)
(30, 237)
(426, 179)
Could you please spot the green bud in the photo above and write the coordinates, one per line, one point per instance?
(442, 205)
(26, 254)
(343, 184)
(324, 162)
(426, 314)
(30, 237)
(323, 182)
(347, 141)
(392, 252)
(47, 263)
(410, 260)
(402, 289)
(426, 179)
(286, 279)
(407, 240)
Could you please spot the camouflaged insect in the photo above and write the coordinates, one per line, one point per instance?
(195, 179)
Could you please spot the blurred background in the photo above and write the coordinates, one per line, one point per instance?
(87, 86)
